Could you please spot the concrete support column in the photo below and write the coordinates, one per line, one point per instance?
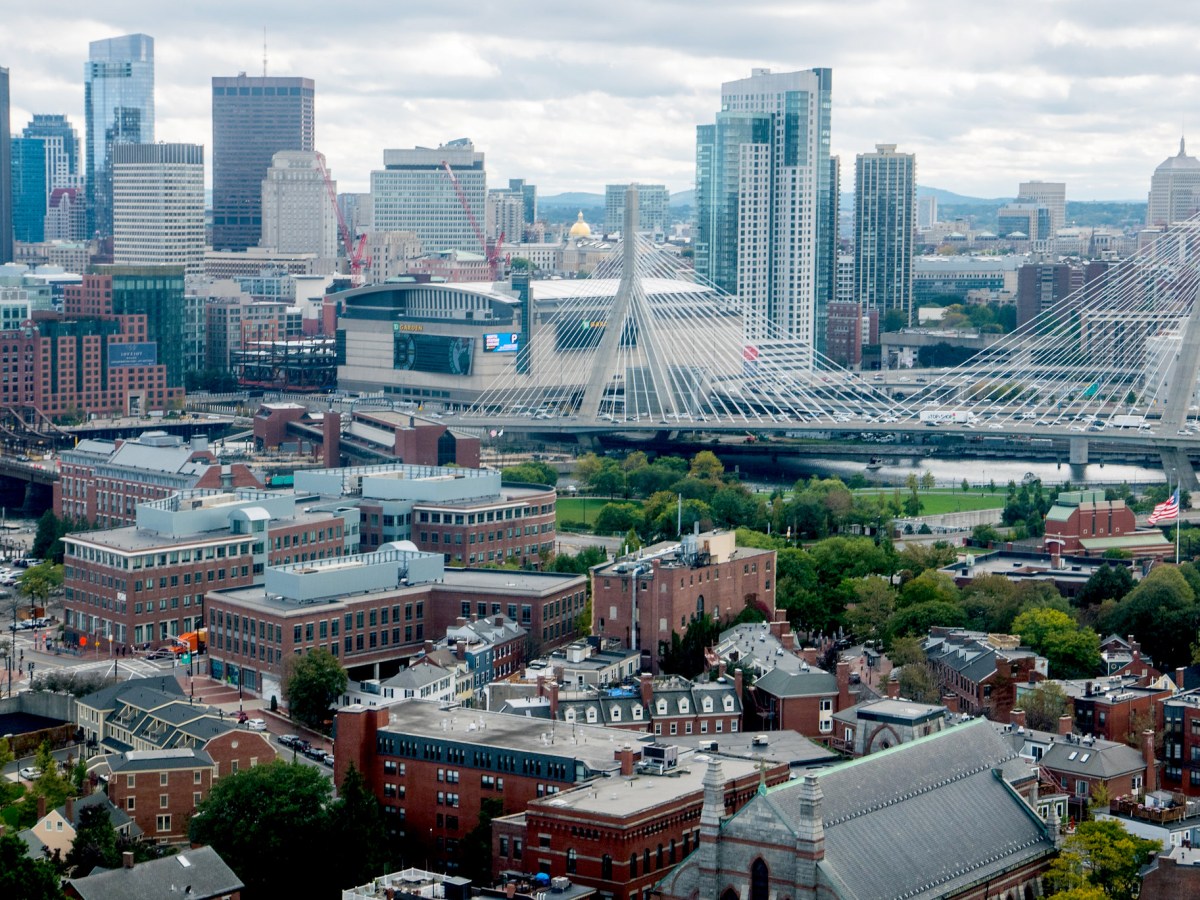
(1079, 451)
(1178, 468)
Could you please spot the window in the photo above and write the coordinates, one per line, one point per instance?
(606, 867)
(162, 823)
(164, 800)
(572, 857)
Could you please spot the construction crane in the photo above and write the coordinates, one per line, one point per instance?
(355, 255)
(491, 252)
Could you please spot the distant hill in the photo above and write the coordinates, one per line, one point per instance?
(578, 199)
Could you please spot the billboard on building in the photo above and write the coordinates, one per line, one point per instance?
(124, 356)
(508, 342)
(442, 354)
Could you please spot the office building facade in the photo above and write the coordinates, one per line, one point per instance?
(253, 119)
(885, 204)
(414, 192)
(1050, 194)
(654, 201)
(765, 200)
(118, 88)
(1174, 189)
(297, 206)
(28, 190)
(62, 149)
(158, 205)
(6, 194)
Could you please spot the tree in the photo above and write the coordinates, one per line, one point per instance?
(46, 535)
(476, 848)
(931, 586)
(269, 824)
(918, 619)
(918, 684)
(966, 486)
(95, 842)
(7, 788)
(991, 603)
(928, 482)
(1103, 855)
(1044, 706)
(617, 517)
(874, 602)
(1072, 651)
(1162, 612)
(1106, 583)
(706, 465)
(358, 832)
(23, 877)
(50, 784)
(533, 472)
(985, 535)
(40, 581)
(314, 680)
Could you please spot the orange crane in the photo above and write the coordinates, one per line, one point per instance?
(355, 255)
(491, 252)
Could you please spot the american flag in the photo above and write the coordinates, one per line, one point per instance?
(1166, 511)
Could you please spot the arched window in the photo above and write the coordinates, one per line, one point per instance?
(646, 860)
(633, 865)
(671, 855)
(659, 859)
(730, 894)
(700, 607)
(572, 856)
(606, 867)
(760, 880)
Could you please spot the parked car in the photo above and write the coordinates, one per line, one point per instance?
(288, 740)
(314, 753)
(30, 773)
(328, 760)
(256, 724)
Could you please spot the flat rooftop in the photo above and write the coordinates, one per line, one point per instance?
(507, 493)
(132, 539)
(510, 580)
(592, 745)
(788, 747)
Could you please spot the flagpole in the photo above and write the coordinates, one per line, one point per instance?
(1178, 521)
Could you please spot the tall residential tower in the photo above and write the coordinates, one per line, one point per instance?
(885, 206)
(766, 201)
(253, 119)
(118, 96)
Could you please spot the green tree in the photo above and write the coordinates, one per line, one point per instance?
(1072, 651)
(269, 823)
(532, 472)
(313, 682)
(928, 482)
(1044, 706)
(1101, 854)
(966, 486)
(931, 586)
(917, 557)
(95, 842)
(7, 788)
(906, 650)
(1106, 583)
(873, 604)
(918, 684)
(46, 535)
(357, 830)
(476, 847)
(1162, 612)
(706, 465)
(40, 581)
(991, 603)
(23, 877)
(51, 784)
(985, 534)
(918, 619)
(617, 517)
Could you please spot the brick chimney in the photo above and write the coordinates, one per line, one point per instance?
(541, 685)
(552, 696)
(1151, 763)
(428, 647)
(498, 621)
(789, 641)
(1017, 718)
(625, 757)
(331, 440)
(41, 806)
(1179, 673)
(950, 701)
(1066, 724)
(460, 621)
(127, 859)
(721, 669)
(845, 701)
(647, 685)
(460, 649)
(737, 683)
(893, 688)
(70, 809)
(809, 654)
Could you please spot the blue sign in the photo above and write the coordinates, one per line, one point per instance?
(509, 342)
(124, 356)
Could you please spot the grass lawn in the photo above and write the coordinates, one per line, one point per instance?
(584, 509)
(938, 502)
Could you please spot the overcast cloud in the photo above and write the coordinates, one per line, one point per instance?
(575, 95)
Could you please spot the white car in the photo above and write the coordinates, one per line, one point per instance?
(30, 773)
(256, 724)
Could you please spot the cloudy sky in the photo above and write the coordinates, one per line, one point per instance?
(575, 95)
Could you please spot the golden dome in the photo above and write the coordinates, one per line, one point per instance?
(580, 229)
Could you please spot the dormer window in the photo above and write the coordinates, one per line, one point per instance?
(661, 707)
(637, 712)
(591, 715)
(707, 704)
(728, 703)
(570, 715)
(615, 714)
(684, 706)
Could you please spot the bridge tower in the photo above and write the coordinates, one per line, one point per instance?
(630, 310)
(1182, 388)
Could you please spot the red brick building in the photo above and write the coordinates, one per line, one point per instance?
(980, 672)
(849, 327)
(1084, 523)
(101, 482)
(160, 789)
(1116, 708)
(431, 768)
(644, 598)
(624, 834)
(519, 524)
(145, 584)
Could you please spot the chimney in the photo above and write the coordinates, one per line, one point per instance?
(428, 647)
(737, 683)
(227, 478)
(127, 859)
(1151, 783)
(474, 618)
(1066, 725)
(1179, 673)
(331, 440)
(498, 621)
(41, 806)
(789, 641)
(460, 621)
(460, 649)
(845, 701)
(810, 655)
(647, 686)
(70, 810)
(950, 701)
(541, 685)
(1017, 718)
(625, 757)
(1087, 689)
(721, 668)
(552, 694)
(893, 688)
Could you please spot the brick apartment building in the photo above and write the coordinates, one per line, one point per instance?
(373, 611)
(622, 835)
(1085, 524)
(1181, 743)
(145, 583)
(467, 515)
(1115, 708)
(101, 482)
(981, 671)
(160, 789)
(643, 599)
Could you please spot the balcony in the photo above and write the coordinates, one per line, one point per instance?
(1128, 806)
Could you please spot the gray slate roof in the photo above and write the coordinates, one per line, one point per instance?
(1102, 759)
(923, 819)
(202, 869)
(781, 683)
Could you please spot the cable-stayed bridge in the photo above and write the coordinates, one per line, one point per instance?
(644, 345)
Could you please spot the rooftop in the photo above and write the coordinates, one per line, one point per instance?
(202, 870)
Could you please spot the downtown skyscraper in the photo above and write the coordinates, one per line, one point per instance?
(766, 202)
(6, 192)
(885, 224)
(253, 119)
(158, 205)
(118, 96)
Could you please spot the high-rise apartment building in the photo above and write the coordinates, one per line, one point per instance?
(885, 207)
(158, 205)
(766, 204)
(118, 92)
(6, 195)
(62, 149)
(1050, 194)
(297, 206)
(505, 215)
(28, 189)
(414, 192)
(253, 119)
(654, 202)
(529, 193)
(1174, 189)
(174, 323)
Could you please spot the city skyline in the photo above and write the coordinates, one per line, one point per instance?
(576, 102)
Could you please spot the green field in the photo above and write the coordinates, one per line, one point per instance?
(937, 502)
(583, 509)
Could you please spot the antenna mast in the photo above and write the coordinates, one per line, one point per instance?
(264, 51)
